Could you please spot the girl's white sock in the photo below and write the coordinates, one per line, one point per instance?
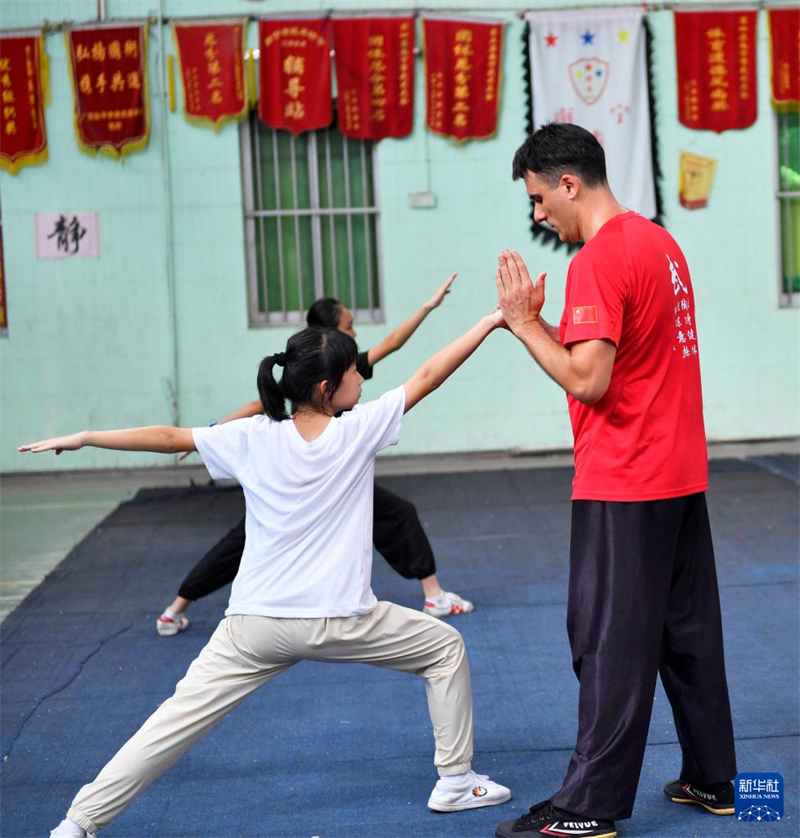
(68, 829)
(168, 612)
(455, 780)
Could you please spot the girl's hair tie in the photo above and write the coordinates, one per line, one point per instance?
(280, 359)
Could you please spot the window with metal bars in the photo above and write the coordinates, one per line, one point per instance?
(311, 223)
(789, 205)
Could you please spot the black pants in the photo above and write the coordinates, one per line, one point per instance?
(397, 534)
(643, 600)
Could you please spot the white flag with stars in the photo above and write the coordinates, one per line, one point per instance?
(589, 67)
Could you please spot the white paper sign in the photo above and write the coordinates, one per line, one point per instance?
(67, 235)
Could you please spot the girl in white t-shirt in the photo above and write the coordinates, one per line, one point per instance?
(303, 588)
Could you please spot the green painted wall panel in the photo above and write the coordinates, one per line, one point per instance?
(92, 342)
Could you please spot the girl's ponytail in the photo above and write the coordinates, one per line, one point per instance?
(269, 390)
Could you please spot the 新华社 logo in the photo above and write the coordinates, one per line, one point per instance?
(759, 796)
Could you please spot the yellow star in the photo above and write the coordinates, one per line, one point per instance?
(623, 36)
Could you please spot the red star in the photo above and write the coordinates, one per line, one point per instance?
(551, 40)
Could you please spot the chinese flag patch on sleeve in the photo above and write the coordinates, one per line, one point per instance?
(584, 314)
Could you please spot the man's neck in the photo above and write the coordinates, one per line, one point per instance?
(597, 210)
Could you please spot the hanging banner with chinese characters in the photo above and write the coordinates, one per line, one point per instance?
(589, 68)
(295, 74)
(462, 76)
(109, 84)
(23, 139)
(784, 41)
(374, 76)
(716, 55)
(211, 57)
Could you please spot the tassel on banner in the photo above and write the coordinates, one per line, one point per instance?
(251, 77)
(171, 82)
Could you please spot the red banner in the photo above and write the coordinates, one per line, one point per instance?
(211, 59)
(716, 55)
(109, 84)
(784, 39)
(23, 139)
(375, 76)
(462, 77)
(295, 74)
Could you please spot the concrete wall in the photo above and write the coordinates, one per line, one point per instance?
(110, 343)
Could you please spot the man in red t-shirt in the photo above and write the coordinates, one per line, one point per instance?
(643, 594)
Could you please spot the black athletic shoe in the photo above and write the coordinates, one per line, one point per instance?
(717, 799)
(545, 819)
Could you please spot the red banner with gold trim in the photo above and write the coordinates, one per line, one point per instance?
(374, 76)
(784, 40)
(108, 68)
(295, 74)
(23, 138)
(716, 56)
(462, 76)
(211, 57)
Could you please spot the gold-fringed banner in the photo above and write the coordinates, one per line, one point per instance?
(108, 68)
(23, 138)
(212, 70)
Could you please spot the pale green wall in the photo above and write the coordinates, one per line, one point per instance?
(91, 342)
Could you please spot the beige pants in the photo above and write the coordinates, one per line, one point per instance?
(246, 652)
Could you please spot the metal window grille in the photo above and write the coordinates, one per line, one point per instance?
(788, 135)
(311, 223)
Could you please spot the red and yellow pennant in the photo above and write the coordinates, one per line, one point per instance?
(374, 76)
(211, 57)
(108, 69)
(784, 43)
(295, 74)
(462, 76)
(716, 55)
(23, 138)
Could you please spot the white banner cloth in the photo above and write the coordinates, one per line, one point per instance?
(589, 67)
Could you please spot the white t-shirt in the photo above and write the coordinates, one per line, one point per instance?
(308, 547)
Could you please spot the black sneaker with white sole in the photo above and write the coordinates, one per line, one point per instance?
(545, 819)
(717, 799)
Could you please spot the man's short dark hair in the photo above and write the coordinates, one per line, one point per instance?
(560, 147)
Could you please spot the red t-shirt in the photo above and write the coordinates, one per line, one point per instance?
(645, 439)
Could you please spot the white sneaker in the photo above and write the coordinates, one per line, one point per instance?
(447, 605)
(476, 791)
(69, 829)
(166, 626)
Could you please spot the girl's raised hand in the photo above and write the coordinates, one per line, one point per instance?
(72, 442)
(441, 292)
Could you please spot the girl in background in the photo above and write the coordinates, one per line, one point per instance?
(398, 534)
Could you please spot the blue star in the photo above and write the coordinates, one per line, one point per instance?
(588, 37)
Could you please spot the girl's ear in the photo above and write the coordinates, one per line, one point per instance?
(322, 392)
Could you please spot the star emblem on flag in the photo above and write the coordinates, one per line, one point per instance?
(551, 39)
(623, 36)
(588, 37)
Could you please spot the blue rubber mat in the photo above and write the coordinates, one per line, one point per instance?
(346, 751)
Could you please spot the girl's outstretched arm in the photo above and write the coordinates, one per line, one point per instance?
(445, 362)
(160, 439)
(397, 337)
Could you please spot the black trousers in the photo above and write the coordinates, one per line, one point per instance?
(643, 600)
(397, 534)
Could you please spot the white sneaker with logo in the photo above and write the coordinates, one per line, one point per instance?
(475, 791)
(447, 604)
(167, 626)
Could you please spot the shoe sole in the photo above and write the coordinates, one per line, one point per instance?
(713, 811)
(460, 807)
(169, 630)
